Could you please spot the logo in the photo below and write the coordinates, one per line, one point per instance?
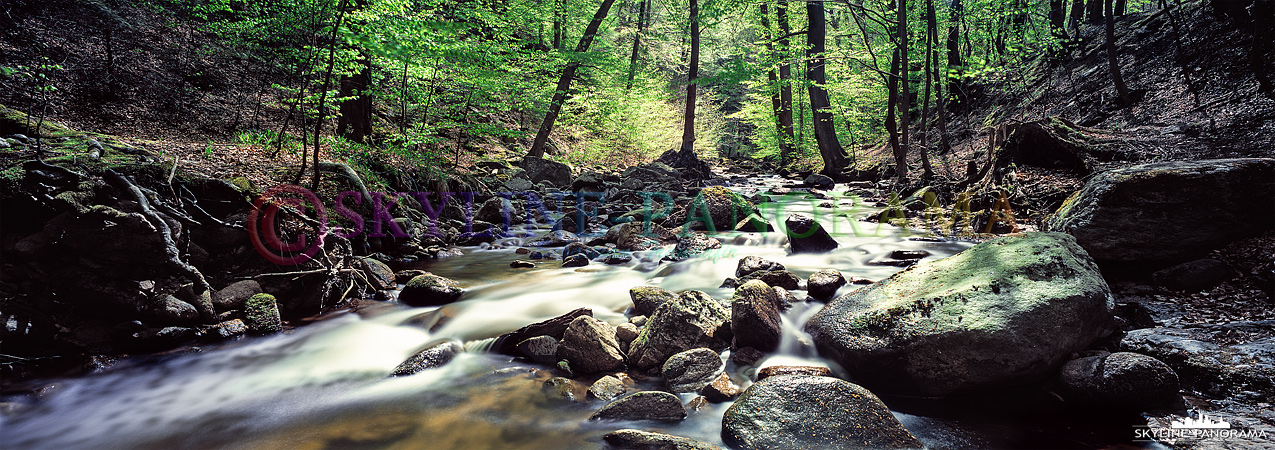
(263, 231)
(1201, 426)
(1203, 421)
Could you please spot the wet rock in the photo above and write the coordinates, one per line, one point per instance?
(645, 440)
(541, 349)
(589, 346)
(823, 284)
(909, 254)
(645, 405)
(746, 356)
(1194, 275)
(691, 321)
(1004, 311)
(378, 275)
(560, 388)
(617, 258)
(691, 370)
(1153, 215)
(556, 238)
(429, 290)
(755, 320)
(786, 299)
(635, 236)
(234, 295)
(777, 278)
(1119, 381)
(575, 261)
(818, 181)
(607, 388)
(580, 248)
(499, 211)
(691, 245)
(507, 343)
(791, 412)
(1205, 367)
(431, 357)
(522, 264)
(814, 371)
(261, 314)
(721, 389)
(228, 329)
(750, 264)
(807, 236)
(625, 333)
(540, 169)
(171, 310)
(717, 203)
(403, 276)
(646, 299)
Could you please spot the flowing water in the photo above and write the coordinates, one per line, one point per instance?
(325, 385)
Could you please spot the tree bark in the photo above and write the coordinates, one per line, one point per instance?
(637, 38)
(954, 63)
(692, 79)
(788, 148)
(323, 94)
(820, 107)
(558, 24)
(564, 82)
(776, 102)
(1095, 10)
(931, 31)
(1113, 60)
(1077, 14)
(1058, 17)
(355, 122)
(901, 152)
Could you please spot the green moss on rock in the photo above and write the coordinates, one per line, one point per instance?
(262, 314)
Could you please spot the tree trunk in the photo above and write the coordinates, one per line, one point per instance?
(1095, 11)
(564, 82)
(786, 135)
(820, 107)
(637, 38)
(1119, 8)
(1058, 17)
(558, 24)
(692, 80)
(323, 93)
(355, 122)
(954, 63)
(901, 152)
(1077, 14)
(931, 29)
(1113, 60)
(776, 103)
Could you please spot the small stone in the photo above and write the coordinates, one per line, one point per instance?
(522, 264)
(262, 314)
(576, 260)
(909, 254)
(747, 356)
(429, 290)
(750, 264)
(625, 333)
(823, 284)
(559, 388)
(607, 388)
(229, 329)
(722, 389)
(234, 295)
(645, 440)
(431, 357)
(589, 346)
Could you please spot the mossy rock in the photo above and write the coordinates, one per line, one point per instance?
(261, 311)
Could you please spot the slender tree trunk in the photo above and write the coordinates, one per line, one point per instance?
(1095, 11)
(355, 120)
(930, 61)
(1058, 17)
(637, 38)
(1113, 60)
(1077, 14)
(692, 80)
(892, 96)
(820, 107)
(1119, 8)
(558, 24)
(901, 152)
(323, 93)
(564, 82)
(790, 144)
(776, 103)
(954, 64)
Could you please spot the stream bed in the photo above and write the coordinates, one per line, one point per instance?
(326, 385)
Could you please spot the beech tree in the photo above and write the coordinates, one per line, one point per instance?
(564, 82)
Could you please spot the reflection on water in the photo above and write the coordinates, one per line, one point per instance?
(325, 385)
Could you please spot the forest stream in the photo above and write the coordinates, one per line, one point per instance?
(326, 385)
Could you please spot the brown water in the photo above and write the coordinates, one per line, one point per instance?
(324, 385)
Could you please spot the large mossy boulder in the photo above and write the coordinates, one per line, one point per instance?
(1009, 310)
(691, 321)
(261, 312)
(793, 412)
(1155, 215)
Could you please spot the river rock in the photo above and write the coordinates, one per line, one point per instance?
(786, 299)
(541, 349)
(720, 205)
(645, 405)
(645, 440)
(750, 264)
(818, 181)
(261, 314)
(499, 211)
(429, 290)
(646, 299)
(693, 320)
(228, 329)
(625, 333)
(437, 355)
(777, 278)
(771, 371)
(721, 389)
(169, 309)
(576, 260)
(521, 264)
(378, 275)
(823, 284)
(1009, 310)
(1153, 215)
(540, 169)
(1119, 381)
(589, 346)
(234, 295)
(637, 236)
(805, 235)
(580, 248)
(754, 316)
(588, 182)
(1194, 275)
(507, 343)
(561, 388)
(607, 388)
(746, 356)
(556, 238)
(691, 370)
(1201, 366)
(795, 412)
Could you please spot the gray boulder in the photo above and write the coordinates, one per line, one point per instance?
(234, 295)
(541, 349)
(1009, 310)
(694, 320)
(750, 264)
(823, 284)
(776, 278)
(805, 235)
(589, 346)
(645, 440)
(431, 357)
(379, 275)
(646, 299)
(1121, 381)
(540, 169)
(607, 388)
(691, 370)
(754, 316)
(645, 405)
(818, 181)
(429, 290)
(804, 412)
(1153, 215)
